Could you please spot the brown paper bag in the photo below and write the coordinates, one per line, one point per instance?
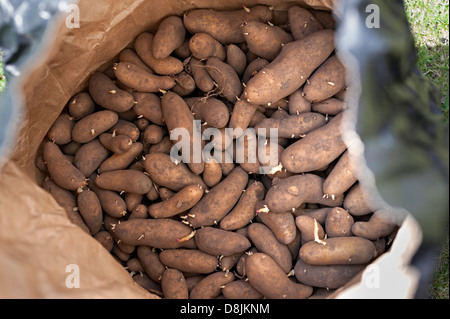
(42, 254)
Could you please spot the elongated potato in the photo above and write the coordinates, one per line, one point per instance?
(228, 82)
(210, 287)
(338, 251)
(292, 126)
(380, 224)
(327, 276)
(242, 115)
(226, 263)
(91, 210)
(224, 26)
(189, 260)
(128, 181)
(165, 173)
(269, 279)
(61, 170)
(105, 239)
(282, 225)
(253, 68)
(290, 70)
(339, 223)
(151, 263)
(245, 210)
(140, 79)
(331, 106)
(182, 201)
(130, 56)
(118, 144)
(215, 241)
(356, 203)
(129, 129)
(236, 58)
(204, 46)
(302, 22)
(309, 228)
(61, 130)
(318, 149)
(108, 95)
(148, 105)
(144, 48)
(240, 289)
(298, 104)
(81, 105)
(266, 242)
(211, 111)
(201, 76)
(220, 200)
(112, 203)
(212, 175)
(185, 84)
(328, 80)
(265, 40)
(157, 233)
(173, 284)
(91, 126)
(169, 37)
(341, 177)
(290, 193)
(90, 156)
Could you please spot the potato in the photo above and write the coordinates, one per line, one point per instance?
(309, 228)
(140, 79)
(226, 263)
(290, 70)
(211, 111)
(157, 233)
(228, 83)
(236, 58)
(302, 22)
(240, 289)
(319, 214)
(90, 156)
(356, 203)
(144, 49)
(290, 193)
(61, 130)
(128, 181)
(68, 201)
(216, 204)
(326, 276)
(242, 116)
(90, 208)
(139, 212)
(204, 46)
(108, 95)
(165, 146)
(298, 104)
(338, 251)
(126, 128)
(326, 18)
(210, 287)
(292, 126)
(121, 161)
(339, 223)
(265, 40)
(253, 68)
(282, 225)
(189, 260)
(201, 77)
(174, 285)
(165, 173)
(182, 201)
(183, 52)
(185, 84)
(148, 284)
(245, 210)
(153, 134)
(220, 242)
(318, 149)
(224, 26)
(269, 279)
(328, 80)
(169, 36)
(110, 223)
(331, 106)
(151, 263)
(130, 56)
(148, 105)
(134, 265)
(380, 224)
(91, 126)
(81, 105)
(112, 203)
(212, 174)
(118, 144)
(266, 242)
(105, 239)
(61, 170)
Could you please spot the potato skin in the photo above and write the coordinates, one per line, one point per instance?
(282, 225)
(290, 70)
(339, 223)
(157, 233)
(90, 156)
(306, 225)
(356, 203)
(224, 26)
(91, 210)
(338, 251)
(380, 224)
(201, 77)
(173, 284)
(240, 289)
(328, 276)
(81, 105)
(189, 260)
(121, 161)
(61, 130)
(242, 115)
(236, 58)
(148, 105)
(268, 278)
(61, 170)
(204, 46)
(318, 149)
(215, 241)
(220, 200)
(91, 126)
(106, 94)
(178, 203)
(169, 36)
(302, 22)
(331, 106)
(210, 286)
(212, 111)
(151, 263)
(225, 76)
(128, 181)
(118, 144)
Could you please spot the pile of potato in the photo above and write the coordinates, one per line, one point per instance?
(208, 229)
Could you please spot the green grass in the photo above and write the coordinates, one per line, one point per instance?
(429, 21)
(2, 76)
